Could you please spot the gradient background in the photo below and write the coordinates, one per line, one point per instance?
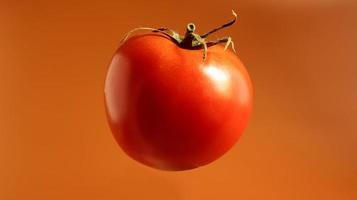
(301, 142)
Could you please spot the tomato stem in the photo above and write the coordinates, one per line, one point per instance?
(191, 40)
(230, 23)
(194, 41)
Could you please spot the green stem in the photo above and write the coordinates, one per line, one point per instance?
(189, 38)
(221, 27)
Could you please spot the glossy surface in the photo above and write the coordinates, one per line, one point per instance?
(170, 110)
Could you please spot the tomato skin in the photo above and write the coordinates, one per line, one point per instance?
(169, 109)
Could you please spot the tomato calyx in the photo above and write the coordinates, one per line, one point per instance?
(192, 40)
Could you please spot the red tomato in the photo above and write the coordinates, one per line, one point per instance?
(169, 109)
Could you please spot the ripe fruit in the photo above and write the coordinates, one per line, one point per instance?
(171, 107)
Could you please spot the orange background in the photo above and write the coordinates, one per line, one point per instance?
(301, 142)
